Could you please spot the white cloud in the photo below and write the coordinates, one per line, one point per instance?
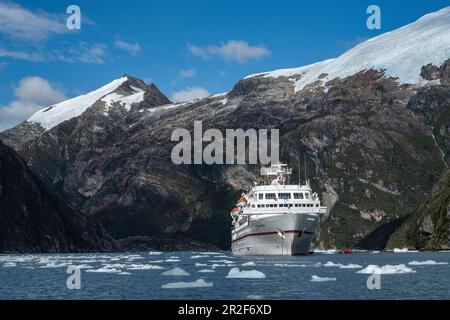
(84, 53)
(234, 50)
(133, 48)
(25, 25)
(190, 93)
(21, 55)
(188, 73)
(31, 94)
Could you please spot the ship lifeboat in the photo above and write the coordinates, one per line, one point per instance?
(234, 213)
(346, 251)
(241, 202)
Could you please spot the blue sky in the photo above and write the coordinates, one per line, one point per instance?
(184, 47)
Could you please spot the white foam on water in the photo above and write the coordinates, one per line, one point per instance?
(200, 283)
(124, 273)
(249, 274)
(176, 272)
(154, 253)
(387, 269)
(316, 278)
(248, 264)
(426, 263)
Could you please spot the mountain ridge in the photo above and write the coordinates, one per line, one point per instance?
(375, 148)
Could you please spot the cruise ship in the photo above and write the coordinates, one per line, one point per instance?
(275, 217)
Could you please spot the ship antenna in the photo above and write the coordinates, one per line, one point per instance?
(306, 176)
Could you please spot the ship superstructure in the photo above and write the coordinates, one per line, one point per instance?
(275, 218)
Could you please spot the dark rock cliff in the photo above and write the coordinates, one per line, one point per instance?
(34, 219)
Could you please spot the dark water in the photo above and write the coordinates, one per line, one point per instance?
(44, 276)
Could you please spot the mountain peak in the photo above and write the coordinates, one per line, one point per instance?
(126, 91)
(400, 54)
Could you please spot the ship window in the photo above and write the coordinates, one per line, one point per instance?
(298, 195)
(290, 206)
(260, 196)
(307, 195)
(297, 205)
(317, 205)
(253, 205)
(303, 205)
(270, 196)
(284, 196)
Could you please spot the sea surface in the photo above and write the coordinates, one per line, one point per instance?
(213, 275)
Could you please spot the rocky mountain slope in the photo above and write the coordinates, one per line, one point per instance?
(375, 133)
(33, 219)
(428, 227)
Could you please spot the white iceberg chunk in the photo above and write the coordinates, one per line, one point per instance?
(250, 274)
(206, 271)
(350, 266)
(104, 270)
(9, 264)
(176, 272)
(387, 269)
(200, 283)
(426, 263)
(316, 278)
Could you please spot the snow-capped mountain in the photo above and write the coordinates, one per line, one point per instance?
(122, 93)
(400, 53)
(375, 145)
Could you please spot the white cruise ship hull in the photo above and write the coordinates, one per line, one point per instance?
(275, 234)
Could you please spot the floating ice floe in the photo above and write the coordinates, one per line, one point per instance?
(221, 261)
(426, 263)
(104, 270)
(176, 272)
(254, 297)
(248, 264)
(198, 264)
(350, 266)
(332, 264)
(316, 278)
(403, 250)
(200, 283)
(206, 270)
(387, 269)
(288, 265)
(9, 264)
(251, 274)
(144, 267)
